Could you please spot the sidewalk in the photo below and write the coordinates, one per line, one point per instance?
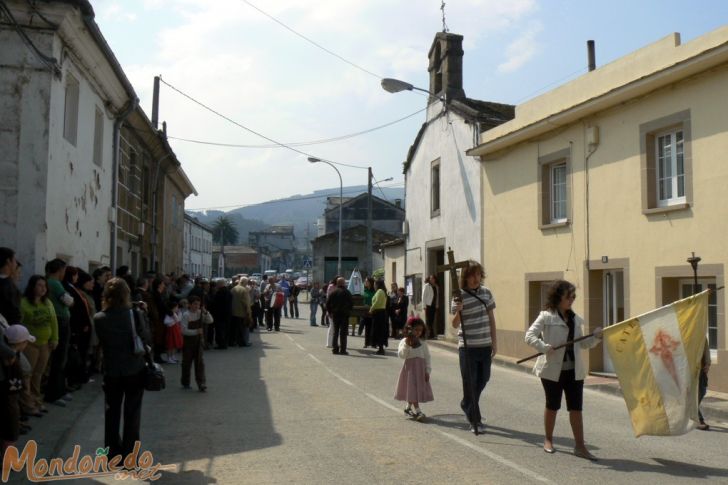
(714, 406)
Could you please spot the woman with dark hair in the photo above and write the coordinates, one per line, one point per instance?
(474, 316)
(561, 371)
(81, 318)
(39, 318)
(378, 310)
(393, 296)
(124, 369)
(400, 310)
(430, 299)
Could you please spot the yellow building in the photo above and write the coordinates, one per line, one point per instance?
(612, 181)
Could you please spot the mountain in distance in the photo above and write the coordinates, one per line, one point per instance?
(300, 211)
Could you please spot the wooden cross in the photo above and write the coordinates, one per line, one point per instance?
(452, 268)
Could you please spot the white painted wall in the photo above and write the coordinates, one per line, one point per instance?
(56, 201)
(197, 249)
(459, 222)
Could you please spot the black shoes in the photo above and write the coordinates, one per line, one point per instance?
(343, 352)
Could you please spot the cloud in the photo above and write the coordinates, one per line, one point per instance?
(114, 12)
(521, 50)
(236, 60)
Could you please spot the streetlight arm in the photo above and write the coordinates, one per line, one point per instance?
(395, 86)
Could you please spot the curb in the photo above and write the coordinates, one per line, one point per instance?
(715, 411)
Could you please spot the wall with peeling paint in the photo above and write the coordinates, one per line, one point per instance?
(54, 200)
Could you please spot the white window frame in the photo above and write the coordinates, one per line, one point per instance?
(676, 157)
(553, 201)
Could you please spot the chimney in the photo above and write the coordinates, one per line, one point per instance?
(590, 54)
(446, 66)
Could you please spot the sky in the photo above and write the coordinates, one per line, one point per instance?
(245, 65)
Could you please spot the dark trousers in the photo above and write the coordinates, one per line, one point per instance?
(702, 391)
(257, 315)
(430, 321)
(240, 332)
(56, 387)
(479, 359)
(209, 334)
(365, 324)
(293, 307)
(128, 390)
(324, 315)
(221, 332)
(341, 327)
(192, 354)
(273, 318)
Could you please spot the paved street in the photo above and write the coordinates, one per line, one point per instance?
(288, 411)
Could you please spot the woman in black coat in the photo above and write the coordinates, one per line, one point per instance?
(221, 310)
(124, 369)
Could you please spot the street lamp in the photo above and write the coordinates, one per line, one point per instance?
(395, 86)
(341, 203)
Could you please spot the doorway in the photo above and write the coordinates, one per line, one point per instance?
(435, 258)
(612, 305)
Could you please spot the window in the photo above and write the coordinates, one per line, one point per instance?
(666, 163)
(435, 187)
(670, 168)
(99, 137)
(145, 185)
(554, 204)
(558, 193)
(133, 177)
(70, 110)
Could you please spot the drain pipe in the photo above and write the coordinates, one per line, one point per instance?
(131, 106)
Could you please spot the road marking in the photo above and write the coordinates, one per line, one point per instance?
(383, 403)
(289, 337)
(341, 378)
(316, 359)
(299, 346)
(495, 457)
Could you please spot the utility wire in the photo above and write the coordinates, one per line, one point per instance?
(50, 62)
(312, 41)
(280, 201)
(250, 130)
(301, 143)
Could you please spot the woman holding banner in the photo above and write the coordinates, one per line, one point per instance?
(562, 371)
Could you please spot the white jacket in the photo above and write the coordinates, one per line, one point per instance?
(550, 329)
(428, 295)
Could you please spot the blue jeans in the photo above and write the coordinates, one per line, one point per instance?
(314, 309)
(479, 359)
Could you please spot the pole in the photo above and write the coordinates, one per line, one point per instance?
(694, 260)
(369, 268)
(341, 219)
(155, 103)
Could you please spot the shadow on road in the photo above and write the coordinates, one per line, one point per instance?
(667, 467)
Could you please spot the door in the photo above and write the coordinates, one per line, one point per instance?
(687, 288)
(612, 304)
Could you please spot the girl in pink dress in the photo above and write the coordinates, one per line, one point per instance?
(174, 331)
(413, 385)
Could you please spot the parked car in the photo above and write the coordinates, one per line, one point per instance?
(302, 282)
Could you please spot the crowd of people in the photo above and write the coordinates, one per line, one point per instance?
(67, 326)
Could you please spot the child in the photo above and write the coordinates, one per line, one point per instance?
(413, 385)
(193, 322)
(174, 331)
(17, 338)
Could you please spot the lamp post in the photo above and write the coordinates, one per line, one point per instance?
(370, 265)
(341, 202)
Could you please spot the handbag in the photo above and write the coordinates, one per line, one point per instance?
(154, 379)
(139, 347)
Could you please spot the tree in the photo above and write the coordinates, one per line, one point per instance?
(224, 232)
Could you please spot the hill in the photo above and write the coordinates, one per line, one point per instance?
(300, 211)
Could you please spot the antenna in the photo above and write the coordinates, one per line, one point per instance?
(444, 25)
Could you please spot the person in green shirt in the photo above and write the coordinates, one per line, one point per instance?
(378, 309)
(56, 391)
(366, 322)
(39, 317)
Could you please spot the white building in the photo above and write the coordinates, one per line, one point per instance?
(61, 101)
(440, 174)
(197, 248)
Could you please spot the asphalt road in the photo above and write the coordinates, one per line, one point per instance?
(289, 411)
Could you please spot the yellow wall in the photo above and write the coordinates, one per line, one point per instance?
(514, 245)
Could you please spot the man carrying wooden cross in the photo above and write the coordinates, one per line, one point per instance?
(474, 317)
